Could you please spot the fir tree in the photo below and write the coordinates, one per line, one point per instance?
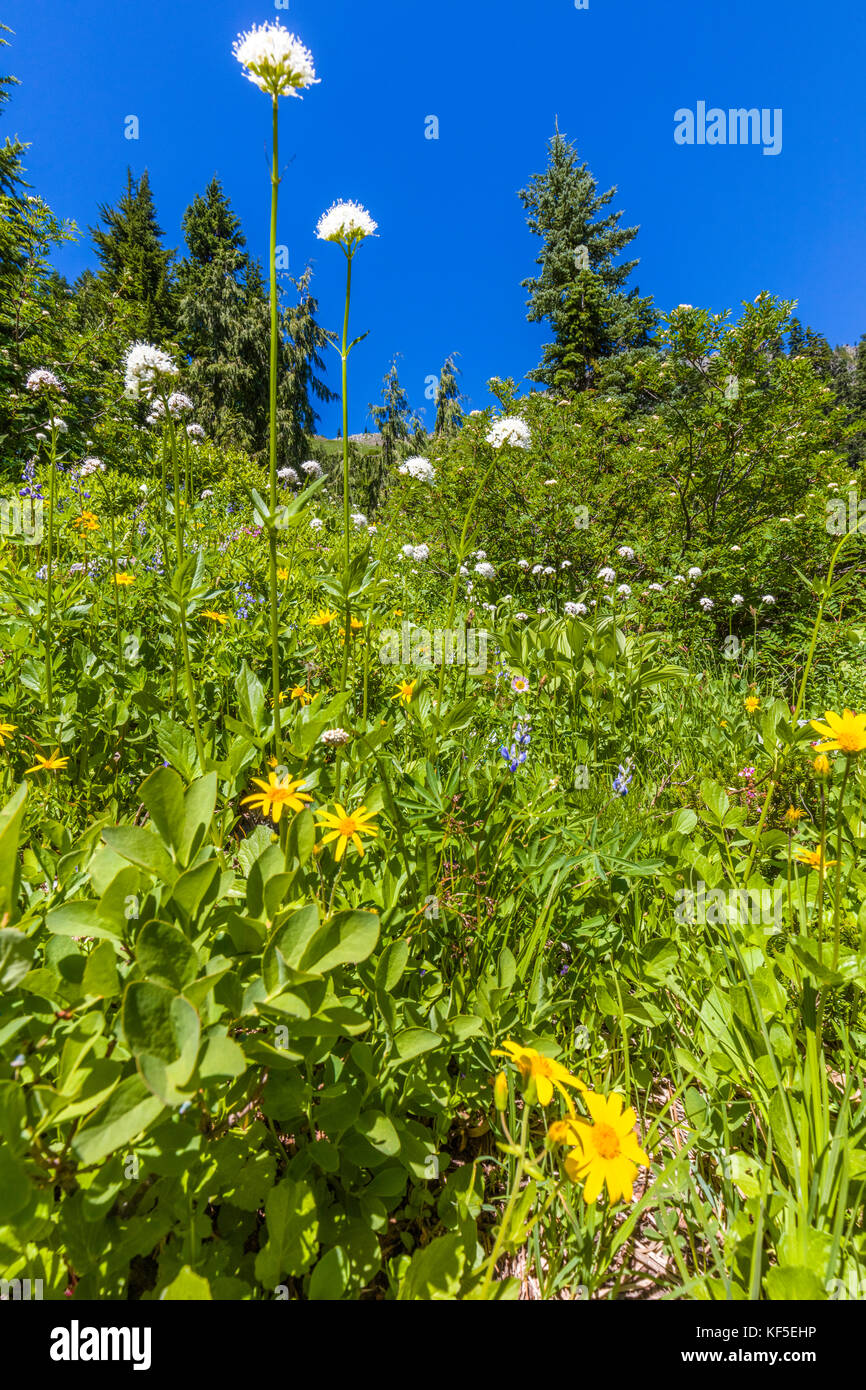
(449, 409)
(302, 384)
(592, 318)
(391, 417)
(133, 261)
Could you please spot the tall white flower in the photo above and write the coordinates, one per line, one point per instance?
(575, 610)
(275, 60)
(737, 600)
(624, 591)
(694, 572)
(346, 223)
(706, 603)
(625, 552)
(486, 570)
(606, 574)
(419, 468)
(89, 466)
(768, 599)
(287, 475)
(194, 432)
(509, 430)
(143, 367)
(312, 469)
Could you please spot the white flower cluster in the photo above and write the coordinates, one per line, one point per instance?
(706, 603)
(312, 469)
(143, 366)
(509, 430)
(334, 737)
(606, 574)
(694, 572)
(625, 552)
(316, 524)
(486, 570)
(288, 475)
(195, 432)
(43, 380)
(624, 591)
(358, 520)
(89, 466)
(276, 61)
(575, 610)
(416, 552)
(737, 600)
(419, 468)
(346, 223)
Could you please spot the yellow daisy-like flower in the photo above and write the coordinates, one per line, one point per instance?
(282, 574)
(214, 616)
(607, 1151)
(821, 765)
(277, 796)
(814, 858)
(299, 692)
(5, 731)
(544, 1071)
(405, 690)
(322, 618)
(793, 815)
(346, 826)
(752, 703)
(50, 764)
(87, 521)
(845, 731)
(122, 580)
(398, 613)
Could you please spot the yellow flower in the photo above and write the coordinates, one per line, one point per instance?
(846, 731)
(544, 1071)
(322, 618)
(405, 690)
(793, 815)
(752, 703)
(398, 612)
(814, 859)
(121, 580)
(346, 826)
(282, 574)
(300, 693)
(500, 1091)
(86, 522)
(49, 764)
(214, 616)
(821, 765)
(606, 1151)
(5, 731)
(277, 796)
(724, 723)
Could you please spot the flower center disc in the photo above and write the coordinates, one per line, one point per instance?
(606, 1141)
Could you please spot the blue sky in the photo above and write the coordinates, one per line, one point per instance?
(718, 223)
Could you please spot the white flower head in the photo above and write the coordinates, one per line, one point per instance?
(335, 737)
(548, 569)
(624, 591)
(625, 552)
(287, 475)
(735, 549)
(575, 610)
(694, 572)
(178, 403)
(144, 366)
(43, 380)
(312, 469)
(194, 432)
(566, 565)
(276, 61)
(737, 600)
(523, 564)
(208, 492)
(346, 223)
(509, 430)
(768, 599)
(89, 466)
(486, 570)
(358, 520)
(606, 574)
(419, 468)
(656, 588)
(706, 603)
(316, 524)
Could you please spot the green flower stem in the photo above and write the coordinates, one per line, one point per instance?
(272, 534)
(49, 574)
(512, 1198)
(347, 620)
(184, 634)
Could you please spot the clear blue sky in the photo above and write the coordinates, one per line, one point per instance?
(718, 223)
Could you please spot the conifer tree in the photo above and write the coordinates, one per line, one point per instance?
(391, 417)
(133, 261)
(579, 291)
(449, 409)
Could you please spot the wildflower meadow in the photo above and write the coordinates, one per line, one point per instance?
(431, 860)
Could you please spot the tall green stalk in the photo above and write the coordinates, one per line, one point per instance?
(272, 496)
(49, 573)
(181, 599)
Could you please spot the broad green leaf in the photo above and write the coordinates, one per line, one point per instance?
(129, 1111)
(292, 1229)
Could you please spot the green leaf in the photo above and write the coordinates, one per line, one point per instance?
(10, 866)
(16, 953)
(413, 1041)
(162, 794)
(100, 972)
(348, 937)
(293, 1229)
(141, 847)
(129, 1111)
(187, 1286)
(163, 953)
(79, 918)
(198, 809)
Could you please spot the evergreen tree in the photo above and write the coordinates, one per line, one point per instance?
(302, 384)
(579, 291)
(449, 410)
(391, 417)
(133, 261)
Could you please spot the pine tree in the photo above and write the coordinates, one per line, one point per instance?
(449, 410)
(133, 261)
(591, 318)
(302, 338)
